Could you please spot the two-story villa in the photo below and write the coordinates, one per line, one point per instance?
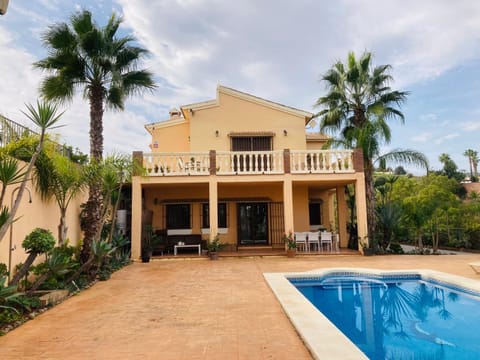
(245, 168)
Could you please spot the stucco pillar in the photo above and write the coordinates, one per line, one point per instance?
(342, 216)
(330, 221)
(288, 204)
(136, 217)
(361, 205)
(213, 206)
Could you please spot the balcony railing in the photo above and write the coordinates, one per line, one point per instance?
(248, 162)
(175, 164)
(321, 161)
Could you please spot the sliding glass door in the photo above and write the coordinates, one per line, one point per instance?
(252, 224)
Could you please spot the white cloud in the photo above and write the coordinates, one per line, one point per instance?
(422, 137)
(429, 117)
(442, 139)
(470, 125)
(273, 49)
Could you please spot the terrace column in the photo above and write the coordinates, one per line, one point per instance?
(213, 206)
(136, 217)
(361, 205)
(342, 216)
(288, 204)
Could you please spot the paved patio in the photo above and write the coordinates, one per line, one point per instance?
(189, 309)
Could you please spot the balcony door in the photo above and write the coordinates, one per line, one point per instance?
(250, 162)
(252, 224)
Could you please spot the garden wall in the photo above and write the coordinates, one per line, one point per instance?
(38, 213)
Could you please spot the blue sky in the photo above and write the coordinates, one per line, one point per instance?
(275, 49)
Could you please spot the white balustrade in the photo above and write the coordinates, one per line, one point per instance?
(321, 161)
(249, 162)
(174, 164)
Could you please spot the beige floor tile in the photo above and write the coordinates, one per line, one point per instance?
(189, 310)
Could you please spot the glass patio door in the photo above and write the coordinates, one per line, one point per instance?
(252, 224)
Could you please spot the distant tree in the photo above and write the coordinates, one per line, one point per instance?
(82, 55)
(469, 154)
(450, 168)
(399, 170)
(357, 107)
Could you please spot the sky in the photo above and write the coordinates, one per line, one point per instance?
(274, 49)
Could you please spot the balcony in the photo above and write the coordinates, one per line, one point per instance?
(248, 162)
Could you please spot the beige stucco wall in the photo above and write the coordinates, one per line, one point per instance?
(38, 213)
(198, 194)
(173, 138)
(239, 115)
(315, 145)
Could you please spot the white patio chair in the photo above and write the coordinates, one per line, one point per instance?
(301, 240)
(313, 239)
(326, 239)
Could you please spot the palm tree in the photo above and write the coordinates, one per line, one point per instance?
(45, 116)
(357, 106)
(472, 161)
(60, 178)
(84, 56)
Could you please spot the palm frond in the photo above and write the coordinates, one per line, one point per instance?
(405, 156)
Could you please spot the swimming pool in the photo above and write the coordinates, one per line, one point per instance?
(388, 315)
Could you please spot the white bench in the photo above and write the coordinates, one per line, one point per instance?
(475, 266)
(175, 247)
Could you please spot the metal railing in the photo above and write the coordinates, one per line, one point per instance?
(11, 131)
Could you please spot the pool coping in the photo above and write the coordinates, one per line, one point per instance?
(322, 338)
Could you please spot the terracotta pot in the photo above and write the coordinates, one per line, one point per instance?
(291, 253)
(213, 255)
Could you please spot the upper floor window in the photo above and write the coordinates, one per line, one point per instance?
(251, 143)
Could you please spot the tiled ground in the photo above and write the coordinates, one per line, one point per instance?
(189, 309)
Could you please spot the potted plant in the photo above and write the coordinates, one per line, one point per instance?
(214, 247)
(367, 247)
(148, 242)
(291, 244)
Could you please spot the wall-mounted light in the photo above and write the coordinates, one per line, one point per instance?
(216, 133)
(285, 132)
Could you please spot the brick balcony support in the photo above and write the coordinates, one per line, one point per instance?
(213, 162)
(358, 160)
(137, 159)
(286, 161)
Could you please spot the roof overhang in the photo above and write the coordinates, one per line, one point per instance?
(191, 108)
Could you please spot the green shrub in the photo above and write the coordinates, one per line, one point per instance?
(396, 248)
(3, 270)
(39, 241)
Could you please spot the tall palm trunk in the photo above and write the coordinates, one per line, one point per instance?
(370, 198)
(94, 202)
(62, 227)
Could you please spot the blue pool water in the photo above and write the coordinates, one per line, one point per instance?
(399, 317)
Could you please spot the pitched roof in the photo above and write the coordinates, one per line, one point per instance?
(248, 97)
